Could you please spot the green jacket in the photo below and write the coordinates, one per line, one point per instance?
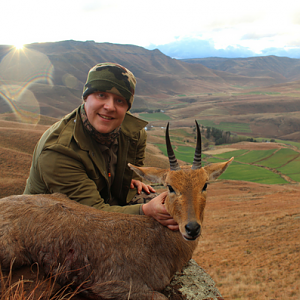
(66, 160)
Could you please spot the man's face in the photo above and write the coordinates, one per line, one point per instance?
(105, 111)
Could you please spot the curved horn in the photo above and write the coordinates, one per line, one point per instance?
(197, 157)
(172, 159)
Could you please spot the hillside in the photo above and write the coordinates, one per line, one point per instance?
(66, 64)
(283, 69)
(260, 93)
(258, 259)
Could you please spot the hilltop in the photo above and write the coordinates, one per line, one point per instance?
(283, 69)
(259, 92)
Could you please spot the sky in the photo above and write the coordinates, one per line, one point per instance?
(180, 29)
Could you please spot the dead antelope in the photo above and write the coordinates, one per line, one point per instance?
(117, 256)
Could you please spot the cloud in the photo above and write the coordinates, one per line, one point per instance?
(290, 52)
(197, 48)
(257, 36)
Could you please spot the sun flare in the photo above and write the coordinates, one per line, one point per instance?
(19, 46)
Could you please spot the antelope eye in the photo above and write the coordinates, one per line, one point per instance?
(171, 189)
(205, 187)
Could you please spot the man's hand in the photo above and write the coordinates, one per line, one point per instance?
(157, 210)
(141, 187)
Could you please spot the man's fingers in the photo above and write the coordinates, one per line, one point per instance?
(151, 189)
(164, 217)
(141, 187)
(173, 227)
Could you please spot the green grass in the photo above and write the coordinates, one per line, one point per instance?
(255, 155)
(227, 126)
(207, 123)
(279, 158)
(237, 171)
(228, 155)
(292, 168)
(159, 116)
(180, 134)
(183, 153)
(295, 177)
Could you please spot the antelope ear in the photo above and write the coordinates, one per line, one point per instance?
(154, 175)
(216, 169)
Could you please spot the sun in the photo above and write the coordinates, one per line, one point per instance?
(19, 46)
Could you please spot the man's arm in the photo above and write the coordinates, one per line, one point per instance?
(67, 175)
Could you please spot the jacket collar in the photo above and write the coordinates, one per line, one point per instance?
(132, 125)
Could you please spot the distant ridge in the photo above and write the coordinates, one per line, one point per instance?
(283, 69)
(158, 75)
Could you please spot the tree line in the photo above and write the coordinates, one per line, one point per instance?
(220, 137)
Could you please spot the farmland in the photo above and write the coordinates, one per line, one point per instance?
(260, 162)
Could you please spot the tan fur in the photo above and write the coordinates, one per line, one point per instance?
(119, 256)
(188, 201)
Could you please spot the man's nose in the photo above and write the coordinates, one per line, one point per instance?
(109, 103)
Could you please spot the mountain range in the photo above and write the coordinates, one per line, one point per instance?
(261, 92)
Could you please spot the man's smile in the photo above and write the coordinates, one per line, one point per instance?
(106, 117)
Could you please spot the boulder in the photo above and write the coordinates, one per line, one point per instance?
(193, 283)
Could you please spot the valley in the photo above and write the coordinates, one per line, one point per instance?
(250, 242)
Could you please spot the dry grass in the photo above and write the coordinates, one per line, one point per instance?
(29, 283)
(250, 243)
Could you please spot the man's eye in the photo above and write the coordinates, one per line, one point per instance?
(121, 101)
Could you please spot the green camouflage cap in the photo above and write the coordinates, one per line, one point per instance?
(111, 78)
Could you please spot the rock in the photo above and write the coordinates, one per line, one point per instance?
(192, 283)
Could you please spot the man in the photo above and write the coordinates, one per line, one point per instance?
(85, 155)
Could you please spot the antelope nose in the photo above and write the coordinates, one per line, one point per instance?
(193, 229)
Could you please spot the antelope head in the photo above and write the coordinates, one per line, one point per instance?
(187, 186)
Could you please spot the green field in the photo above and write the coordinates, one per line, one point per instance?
(183, 153)
(180, 134)
(159, 116)
(292, 169)
(237, 171)
(255, 156)
(281, 157)
(248, 165)
(226, 126)
(228, 155)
